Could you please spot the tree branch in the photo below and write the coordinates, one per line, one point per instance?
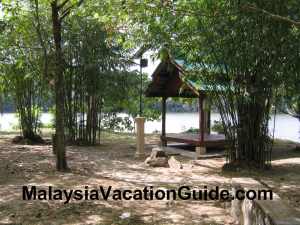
(68, 10)
(253, 8)
(63, 4)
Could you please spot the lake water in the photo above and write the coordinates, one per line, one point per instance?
(286, 126)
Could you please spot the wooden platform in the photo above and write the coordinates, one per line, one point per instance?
(210, 140)
(192, 154)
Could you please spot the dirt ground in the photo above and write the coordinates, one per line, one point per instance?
(112, 163)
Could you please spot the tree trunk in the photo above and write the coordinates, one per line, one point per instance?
(61, 163)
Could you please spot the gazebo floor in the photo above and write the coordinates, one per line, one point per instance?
(210, 140)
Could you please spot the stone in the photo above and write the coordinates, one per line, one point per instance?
(157, 158)
(157, 152)
(125, 215)
(174, 163)
(260, 212)
(248, 212)
(158, 162)
(236, 208)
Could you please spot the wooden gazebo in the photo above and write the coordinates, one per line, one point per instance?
(168, 80)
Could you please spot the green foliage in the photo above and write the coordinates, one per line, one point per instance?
(96, 62)
(47, 125)
(99, 84)
(218, 127)
(251, 55)
(21, 66)
(113, 122)
(248, 54)
(192, 130)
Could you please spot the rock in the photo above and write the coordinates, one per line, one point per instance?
(125, 215)
(158, 158)
(174, 163)
(170, 203)
(158, 162)
(157, 152)
(147, 161)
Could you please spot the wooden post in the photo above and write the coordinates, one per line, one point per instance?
(201, 150)
(208, 120)
(163, 122)
(201, 118)
(207, 117)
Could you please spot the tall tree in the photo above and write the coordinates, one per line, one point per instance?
(247, 54)
(21, 67)
(60, 9)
